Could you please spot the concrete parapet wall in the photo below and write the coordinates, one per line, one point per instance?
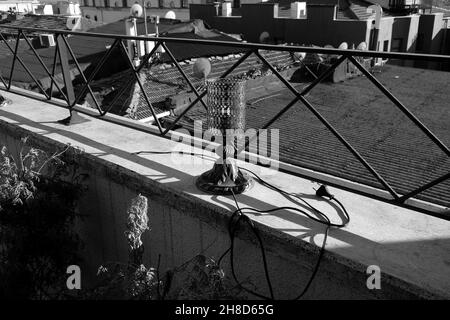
(319, 27)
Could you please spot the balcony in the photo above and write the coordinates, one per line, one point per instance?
(403, 234)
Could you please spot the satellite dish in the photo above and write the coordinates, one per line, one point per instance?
(343, 46)
(264, 37)
(201, 68)
(136, 10)
(362, 46)
(170, 15)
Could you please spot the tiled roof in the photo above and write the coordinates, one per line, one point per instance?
(163, 80)
(397, 149)
(359, 9)
(183, 51)
(89, 50)
(177, 29)
(37, 21)
(372, 124)
(390, 142)
(445, 11)
(347, 10)
(106, 89)
(118, 27)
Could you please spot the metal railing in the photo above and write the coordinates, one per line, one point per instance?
(64, 53)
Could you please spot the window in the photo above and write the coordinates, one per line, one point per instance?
(396, 45)
(95, 18)
(386, 45)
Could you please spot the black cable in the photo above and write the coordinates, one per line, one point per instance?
(331, 197)
(263, 251)
(232, 227)
(243, 216)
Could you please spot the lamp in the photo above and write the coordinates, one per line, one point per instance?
(225, 119)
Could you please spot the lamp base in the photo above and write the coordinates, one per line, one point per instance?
(73, 118)
(224, 178)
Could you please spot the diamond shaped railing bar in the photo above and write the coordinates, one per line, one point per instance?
(51, 75)
(300, 97)
(80, 71)
(400, 106)
(141, 86)
(184, 75)
(16, 57)
(424, 187)
(87, 82)
(414, 119)
(136, 70)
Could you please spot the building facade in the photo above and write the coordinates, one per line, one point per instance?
(326, 24)
(107, 11)
(23, 6)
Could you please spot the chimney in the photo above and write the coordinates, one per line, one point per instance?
(226, 9)
(298, 10)
(131, 30)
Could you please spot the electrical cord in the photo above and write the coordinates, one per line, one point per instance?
(261, 244)
(241, 214)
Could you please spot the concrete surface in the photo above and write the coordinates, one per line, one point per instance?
(412, 249)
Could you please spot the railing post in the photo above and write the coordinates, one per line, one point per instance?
(65, 70)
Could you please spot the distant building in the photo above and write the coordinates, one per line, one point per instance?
(67, 8)
(44, 9)
(331, 22)
(60, 15)
(107, 11)
(23, 6)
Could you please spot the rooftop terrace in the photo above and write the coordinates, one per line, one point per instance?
(388, 228)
